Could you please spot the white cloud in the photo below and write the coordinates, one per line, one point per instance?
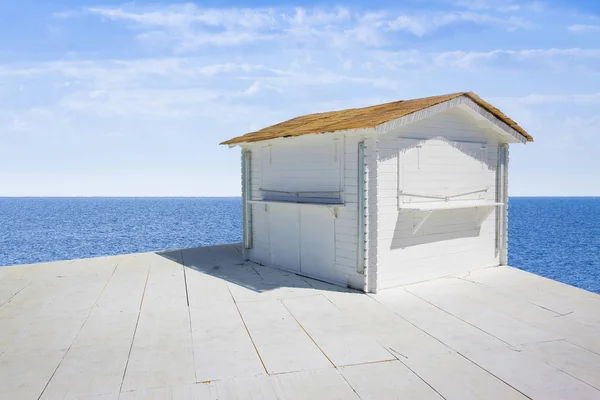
(582, 28)
(252, 89)
(542, 99)
(188, 27)
(420, 25)
(470, 59)
(177, 16)
(304, 17)
(126, 73)
(238, 70)
(500, 5)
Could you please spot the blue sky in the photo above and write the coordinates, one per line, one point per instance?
(131, 99)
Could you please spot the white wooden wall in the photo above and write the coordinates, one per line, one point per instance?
(450, 242)
(308, 165)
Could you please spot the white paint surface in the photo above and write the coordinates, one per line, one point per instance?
(445, 161)
(316, 241)
(447, 154)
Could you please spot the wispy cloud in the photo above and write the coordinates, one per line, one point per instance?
(174, 88)
(420, 25)
(415, 60)
(583, 28)
(176, 16)
(471, 59)
(501, 5)
(542, 98)
(189, 27)
(123, 71)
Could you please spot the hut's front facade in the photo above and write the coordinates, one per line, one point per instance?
(381, 196)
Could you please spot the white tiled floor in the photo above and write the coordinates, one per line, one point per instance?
(144, 326)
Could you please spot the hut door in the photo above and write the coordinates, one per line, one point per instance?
(317, 241)
(285, 236)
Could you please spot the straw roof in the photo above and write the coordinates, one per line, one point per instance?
(366, 117)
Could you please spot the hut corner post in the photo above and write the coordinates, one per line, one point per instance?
(360, 268)
(502, 197)
(504, 248)
(246, 195)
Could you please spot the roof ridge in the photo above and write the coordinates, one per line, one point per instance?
(364, 117)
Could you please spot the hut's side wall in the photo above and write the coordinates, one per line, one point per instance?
(449, 242)
(306, 165)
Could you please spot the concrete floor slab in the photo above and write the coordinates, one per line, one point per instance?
(159, 365)
(25, 375)
(326, 384)
(159, 326)
(387, 381)
(257, 388)
(531, 376)
(573, 360)
(445, 327)
(334, 333)
(281, 342)
(87, 371)
(222, 347)
(179, 392)
(458, 378)
(205, 289)
(395, 333)
(498, 324)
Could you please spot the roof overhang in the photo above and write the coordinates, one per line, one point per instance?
(465, 103)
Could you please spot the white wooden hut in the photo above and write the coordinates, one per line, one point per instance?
(381, 196)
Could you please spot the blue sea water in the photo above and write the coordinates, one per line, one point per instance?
(554, 237)
(48, 229)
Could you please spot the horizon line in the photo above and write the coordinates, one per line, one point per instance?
(239, 196)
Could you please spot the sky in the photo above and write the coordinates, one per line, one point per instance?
(131, 99)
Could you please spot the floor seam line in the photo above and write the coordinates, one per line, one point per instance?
(78, 332)
(349, 385)
(13, 296)
(134, 332)
(421, 378)
(247, 330)
(187, 297)
(493, 290)
(370, 362)
(411, 323)
(307, 334)
(581, 347)
(460, 319)
(145, 286)
(299, 370)
(492, 374)
(566, 373)
(129, 354)
(189, 318)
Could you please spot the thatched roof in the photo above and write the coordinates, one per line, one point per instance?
(366, 117)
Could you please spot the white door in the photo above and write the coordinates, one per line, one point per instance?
(285, 236)
(317, 235)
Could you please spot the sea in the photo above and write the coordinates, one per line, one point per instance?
(555, 237)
